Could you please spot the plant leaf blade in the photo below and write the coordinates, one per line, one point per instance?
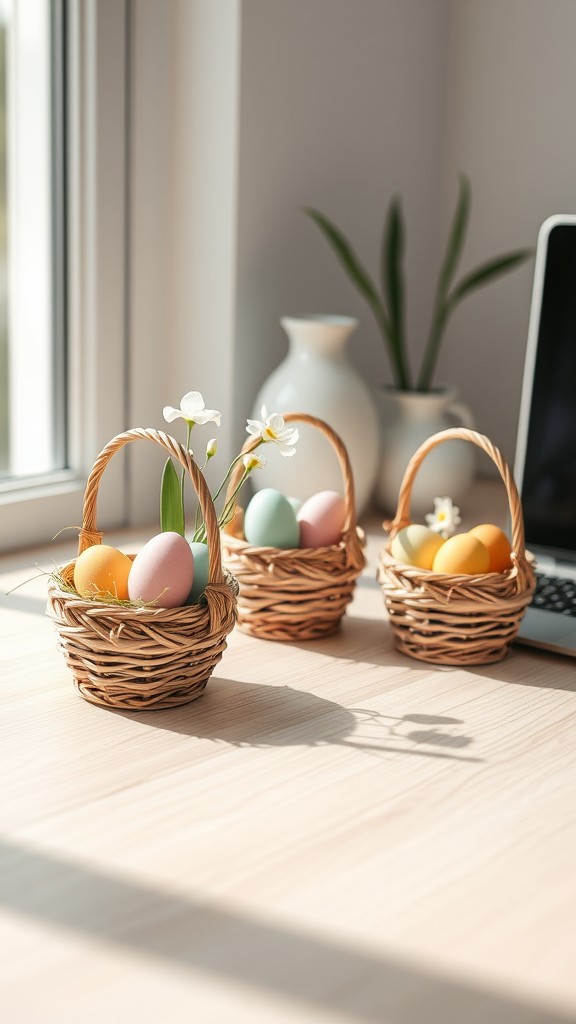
(486, 272)
(351, 264)
(171, 506)
(456, 236)
(392, 280)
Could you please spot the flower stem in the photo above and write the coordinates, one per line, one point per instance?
(189, 426)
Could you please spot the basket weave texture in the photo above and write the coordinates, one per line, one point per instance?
(456, 620)
(124, 656)
(297, 593)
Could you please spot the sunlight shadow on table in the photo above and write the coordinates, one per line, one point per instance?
(257, 715)
(339, 980)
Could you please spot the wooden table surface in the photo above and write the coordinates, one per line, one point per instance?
(333, 832)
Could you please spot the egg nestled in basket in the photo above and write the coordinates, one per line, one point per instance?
(416, 545)
(162, 572)
(321, 519)
(296, 564)
(466, 608)
(270, 521)
(102, 571)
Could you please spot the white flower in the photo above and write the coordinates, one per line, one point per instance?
(252, 461)
(193, 410)
(272, 429)
(445, 517)
(211, 448)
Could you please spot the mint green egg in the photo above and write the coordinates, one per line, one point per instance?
(201, 567)
(270, 521)
(296, 503)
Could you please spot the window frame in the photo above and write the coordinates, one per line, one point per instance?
(96, 308)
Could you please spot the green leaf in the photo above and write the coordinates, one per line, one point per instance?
(171, 504)
(455, 238)
(482, 275)
(365, 285)
(351, 264)
(487, 272)
(392, 278)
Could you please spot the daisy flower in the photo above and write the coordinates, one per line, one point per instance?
(445, 517)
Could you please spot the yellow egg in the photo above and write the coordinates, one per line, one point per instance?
(498, 546)
(102, 571)
(462, 554)
(416, 545)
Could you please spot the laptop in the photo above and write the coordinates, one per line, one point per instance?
(545, 463)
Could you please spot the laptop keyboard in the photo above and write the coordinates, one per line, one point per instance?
(555, 594)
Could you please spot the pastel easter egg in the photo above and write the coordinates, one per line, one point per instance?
(499, 548)
(295, 502)
(462, 555)
(201, 567)
(416, 545)
(321, 519)
(102, 571)
(270, 521)
(162, 572)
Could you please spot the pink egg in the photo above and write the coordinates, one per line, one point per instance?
(162, 572)
(321, 520)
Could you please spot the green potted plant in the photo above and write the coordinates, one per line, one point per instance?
(387, 301)
(420, 407)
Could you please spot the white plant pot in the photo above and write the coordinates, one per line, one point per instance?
(318, 377)
(409, 418)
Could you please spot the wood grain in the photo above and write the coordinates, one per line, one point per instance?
(331, 832)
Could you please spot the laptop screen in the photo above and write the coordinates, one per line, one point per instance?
(549, 471)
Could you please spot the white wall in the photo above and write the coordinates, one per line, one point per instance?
(150, 370)
(510, 125)
(182, 223)
(340, 107)
(204, 202)
(277, 104)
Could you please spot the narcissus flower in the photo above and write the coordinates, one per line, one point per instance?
(272, 429)
(192, 410)
(252, 461)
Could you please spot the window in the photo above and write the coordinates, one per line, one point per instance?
(63, 141)
(31, 239)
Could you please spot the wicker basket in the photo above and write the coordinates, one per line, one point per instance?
(456, 620)
(299, 593)
(124, 656)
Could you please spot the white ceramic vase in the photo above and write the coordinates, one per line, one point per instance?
(317, 377)
(409, 417)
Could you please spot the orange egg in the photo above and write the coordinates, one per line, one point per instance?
(498, 546)
(462, 554)
(102, 571)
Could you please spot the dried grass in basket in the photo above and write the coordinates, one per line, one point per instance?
(456, 620)
(298, 593)
(123, 656)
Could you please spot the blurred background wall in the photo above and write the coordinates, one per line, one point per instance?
(267, 106)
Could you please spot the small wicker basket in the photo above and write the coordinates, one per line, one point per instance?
(298, 593)
(124, 656)
(456, 620)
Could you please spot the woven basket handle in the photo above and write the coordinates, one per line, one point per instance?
(346, 469)
(89, 535)
(402, 517)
